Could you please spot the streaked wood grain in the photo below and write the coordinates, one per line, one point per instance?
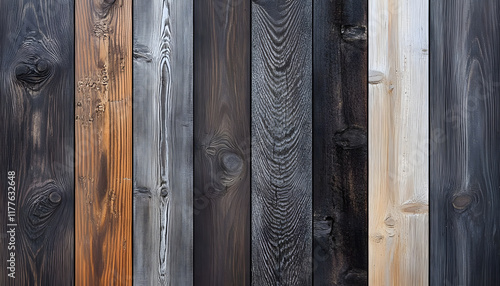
(37, 137)
(465, 120)
(163, 142)
(103, 126)
(398, 142)
(281, 142)
(222, 140)
(340, 158)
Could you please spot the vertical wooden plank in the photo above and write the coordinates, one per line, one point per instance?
(465, 160)
(222, 140)
(281, 142)
(340, 158)
(163, 142)
(103, 142)
(398, 142)
(37, 138)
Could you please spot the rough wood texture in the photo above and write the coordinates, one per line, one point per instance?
(222, 140)
(465, 159)
(37, 137)
(281, 142)
(103, 126)
(398, 142)
(163, 142)
(340, 248)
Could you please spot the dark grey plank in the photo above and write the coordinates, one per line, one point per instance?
(281, 142)
(163, 136)
(37, 141)
(222, 140)
(465, 136)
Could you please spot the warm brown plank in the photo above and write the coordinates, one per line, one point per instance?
(36, 142)
(163, 142)
(465, 141)
(282, 142)
(340, 158)
(103, 125)
(222, 142)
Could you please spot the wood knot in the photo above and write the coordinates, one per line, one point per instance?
(231, 163)
(44, 201)
(353, 33)
(323, 228)
(461, 202)
(33, 75)
(351, 138)
(375, 77)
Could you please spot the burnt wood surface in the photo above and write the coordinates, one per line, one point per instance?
(340, 246)
(37, 141)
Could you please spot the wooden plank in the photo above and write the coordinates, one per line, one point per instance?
(398, 142)
(281, 142)
(37, 138)
(103, 142)
(163, 142)
(340, 158)
(222, 140)
(465, 181)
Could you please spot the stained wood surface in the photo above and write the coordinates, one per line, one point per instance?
(163, 142)
(398, 142)
(222, 140)
(465, 174)
(37, 137)
(103, 126)
(340, 158)
(281, 142)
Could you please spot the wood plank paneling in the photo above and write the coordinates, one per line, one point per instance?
(398, 142)
(222, 140)
(465, 159)
(37, 139)
(103, 126)
(163, 142)
(281, 142)
(340, 158)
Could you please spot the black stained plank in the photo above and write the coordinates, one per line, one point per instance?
(37, 140)
(340, 247)
(465, 140)
(222, 142)
(281, 142)
(163, 138)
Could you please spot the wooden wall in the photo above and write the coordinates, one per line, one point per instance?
(465, 174)
(286, 142)
(37, 138)
(398, 143)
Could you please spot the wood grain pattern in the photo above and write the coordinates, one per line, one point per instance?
(37, 138)
(163, 142)
(103, 126)
(465, 120)
(281, 142)
(340, 158)
(222, 140)
(398, 142)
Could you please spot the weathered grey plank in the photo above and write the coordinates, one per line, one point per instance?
(36, 142)
(340, 158)
(465, 140)
(222, 140)
(163, 138)
(281, 142)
